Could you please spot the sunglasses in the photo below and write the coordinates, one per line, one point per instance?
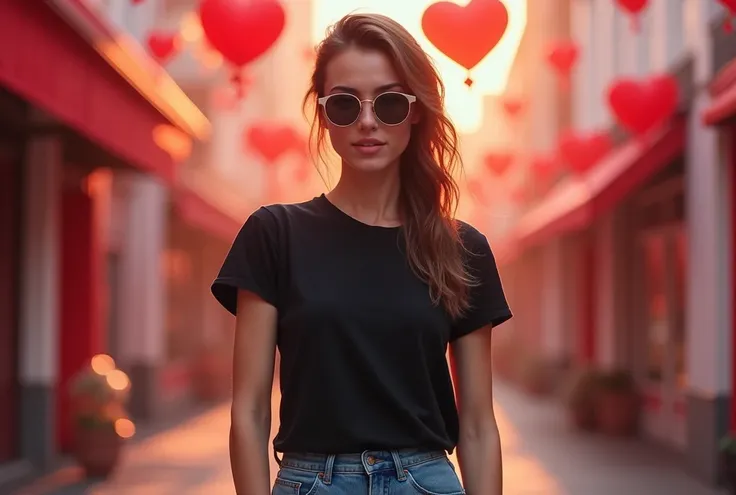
(343, 109)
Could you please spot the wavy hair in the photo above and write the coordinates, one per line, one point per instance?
(429, 195)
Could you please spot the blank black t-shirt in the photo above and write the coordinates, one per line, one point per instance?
(363, 349)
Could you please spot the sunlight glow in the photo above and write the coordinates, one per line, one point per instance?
(464, 105)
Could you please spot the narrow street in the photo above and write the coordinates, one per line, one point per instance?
(541, 457)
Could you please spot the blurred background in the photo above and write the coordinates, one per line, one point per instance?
(599, 140)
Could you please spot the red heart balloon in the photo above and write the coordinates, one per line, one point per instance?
(642, 105)
(498, 163)
(162, 45)
(634, 8)
(465, 34)
(271, 141)
(730, 6)
(513, 106)
(242, 30)
(582, 151)
(563, 55)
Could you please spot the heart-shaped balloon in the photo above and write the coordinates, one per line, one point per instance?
(582, 151)
(163, 46)
(498, 163)
(467, 33)
(563, 55)
(242, 30)
(634, 8)
(513, 106)
(271, 141)
(642, 105)
(730, 6)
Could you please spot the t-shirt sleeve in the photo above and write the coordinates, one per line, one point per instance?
(251, 263)
(488, 304)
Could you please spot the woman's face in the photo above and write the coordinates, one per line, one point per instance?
(367, 144)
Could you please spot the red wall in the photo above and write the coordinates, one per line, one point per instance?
(81, 297)
(9, 264)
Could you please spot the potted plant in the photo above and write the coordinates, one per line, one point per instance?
(581, 400)
(617, 404)
(98, 394)
(728, 461)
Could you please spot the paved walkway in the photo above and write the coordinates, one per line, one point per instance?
(541, 457)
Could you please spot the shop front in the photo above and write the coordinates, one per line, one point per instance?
(73, 101)
(621, 227)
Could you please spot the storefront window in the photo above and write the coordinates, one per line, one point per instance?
(678, 326)
(656, 306)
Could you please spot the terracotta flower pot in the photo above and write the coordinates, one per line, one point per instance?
(97, 449)
(617, 412)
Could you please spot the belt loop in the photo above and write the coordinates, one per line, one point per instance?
(400, 475)
(327, 477)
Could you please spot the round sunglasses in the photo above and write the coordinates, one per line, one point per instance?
(343, 109)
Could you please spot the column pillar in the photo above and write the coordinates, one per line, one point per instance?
(39, 306)
(553, 321)
(141, 294)
(605, 325)
(707, 323)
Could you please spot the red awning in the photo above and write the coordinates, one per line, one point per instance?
(575, 204)
(74, 65)
(194, 209)
(723, 91)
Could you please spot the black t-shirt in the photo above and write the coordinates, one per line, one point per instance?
(363, 349)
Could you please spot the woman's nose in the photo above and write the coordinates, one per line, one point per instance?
(367, 118)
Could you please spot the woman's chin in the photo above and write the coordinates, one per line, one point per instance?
(370, 164)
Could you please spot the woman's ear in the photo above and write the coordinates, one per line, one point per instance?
(416, 114)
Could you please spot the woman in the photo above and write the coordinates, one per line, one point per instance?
(362, 290)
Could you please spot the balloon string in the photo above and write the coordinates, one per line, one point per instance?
(635, 24)
(237, 81)
(565, 82)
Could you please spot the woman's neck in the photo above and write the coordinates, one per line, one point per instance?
(371, 198)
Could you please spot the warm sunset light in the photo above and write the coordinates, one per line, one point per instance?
(124, 428)
(117, 380)
(102, 364)
(465, 105)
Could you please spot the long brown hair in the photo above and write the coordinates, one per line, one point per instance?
(429, 194)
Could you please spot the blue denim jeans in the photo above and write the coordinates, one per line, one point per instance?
(403, 472)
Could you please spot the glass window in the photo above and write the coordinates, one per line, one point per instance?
(655, 306)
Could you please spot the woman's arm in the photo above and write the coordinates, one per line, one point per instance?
(479, 445)
(253, 362)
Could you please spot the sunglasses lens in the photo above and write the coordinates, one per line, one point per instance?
(342, 109)
(391, 108)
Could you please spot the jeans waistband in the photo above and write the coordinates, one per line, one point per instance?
(369, 461)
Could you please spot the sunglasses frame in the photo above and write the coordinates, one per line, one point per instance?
(323, 103)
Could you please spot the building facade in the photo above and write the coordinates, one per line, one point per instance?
(105, 246)
(635, 255)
